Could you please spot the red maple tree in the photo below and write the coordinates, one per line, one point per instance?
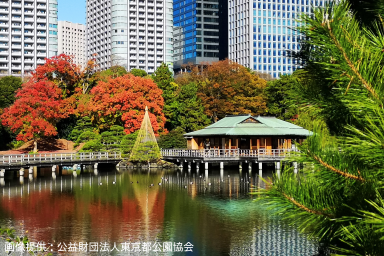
(66, 74)
(37, 109)
(122, 100)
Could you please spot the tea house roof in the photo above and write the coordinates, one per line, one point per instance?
(247, 125)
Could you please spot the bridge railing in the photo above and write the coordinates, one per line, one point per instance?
(57, 157)
(261, 154)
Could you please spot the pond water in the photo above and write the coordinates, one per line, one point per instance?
(121, 211)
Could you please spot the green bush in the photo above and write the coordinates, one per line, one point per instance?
(92, 146)
(127, 142)
(15, 144)
(174, 139)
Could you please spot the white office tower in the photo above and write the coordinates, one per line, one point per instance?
(140, 35)
(72, 41)
(28, 34)
(98, 32)
(261, 32)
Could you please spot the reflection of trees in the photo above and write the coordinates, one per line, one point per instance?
(214, 222)
(91, 213)
(39, 212)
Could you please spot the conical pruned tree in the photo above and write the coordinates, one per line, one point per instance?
(145, 148)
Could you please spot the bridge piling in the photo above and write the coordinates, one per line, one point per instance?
(277, 164)
(260, 169)
(2, 173)
(240, 165)
(21, 172)
(250, 168)
(221, 165)
(206, 166)
(189, 166)
(295, 167)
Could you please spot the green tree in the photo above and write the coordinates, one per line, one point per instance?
(127, 143)
(282, 98)
(113, 72)
(173, 139)
(187, 110)
(338, 196)
(138, 72)
(8, 87)
(163, 77)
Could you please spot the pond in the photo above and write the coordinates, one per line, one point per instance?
(119, 212)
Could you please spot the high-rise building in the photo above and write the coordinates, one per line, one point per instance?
(261, 32)
(28, 34)
(200, 31)
(98, 32)
(72, 41)
(135, 34)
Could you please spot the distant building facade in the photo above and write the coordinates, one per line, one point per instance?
(135, 34)
(72, 41)
(200, 31)
(261, 31)
(28, 35)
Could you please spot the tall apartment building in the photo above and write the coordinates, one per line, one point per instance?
(28, 34)
(200, 31)
(72, 41)
(135, 34)
(98, 32)
(262, 31)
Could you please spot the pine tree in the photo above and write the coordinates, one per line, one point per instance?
(338, 196)
(163, 77)
(145, 148)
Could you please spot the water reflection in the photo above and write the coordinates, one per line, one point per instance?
(213, 211)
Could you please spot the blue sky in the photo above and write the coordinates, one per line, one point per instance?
(72, 10)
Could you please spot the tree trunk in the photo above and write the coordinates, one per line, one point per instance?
(35, 146)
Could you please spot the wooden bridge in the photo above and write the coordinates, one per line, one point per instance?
(27, 160)
(181, 156)
(228, 155)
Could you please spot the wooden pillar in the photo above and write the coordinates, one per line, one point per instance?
(221, 174)
(221, 165)
(222, 143)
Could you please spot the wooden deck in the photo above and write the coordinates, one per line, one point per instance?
(228, 155)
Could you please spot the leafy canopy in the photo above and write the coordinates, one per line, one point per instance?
(226, 87)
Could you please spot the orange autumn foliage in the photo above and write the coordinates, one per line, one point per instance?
(226, 88)
(122, 100)
(37, 109)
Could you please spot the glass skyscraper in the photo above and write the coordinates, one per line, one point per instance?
(200, 31)
(262, 31)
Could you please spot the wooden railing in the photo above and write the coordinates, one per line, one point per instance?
(261, 154)
(58, 158)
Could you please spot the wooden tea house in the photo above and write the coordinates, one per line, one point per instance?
(245, 132)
